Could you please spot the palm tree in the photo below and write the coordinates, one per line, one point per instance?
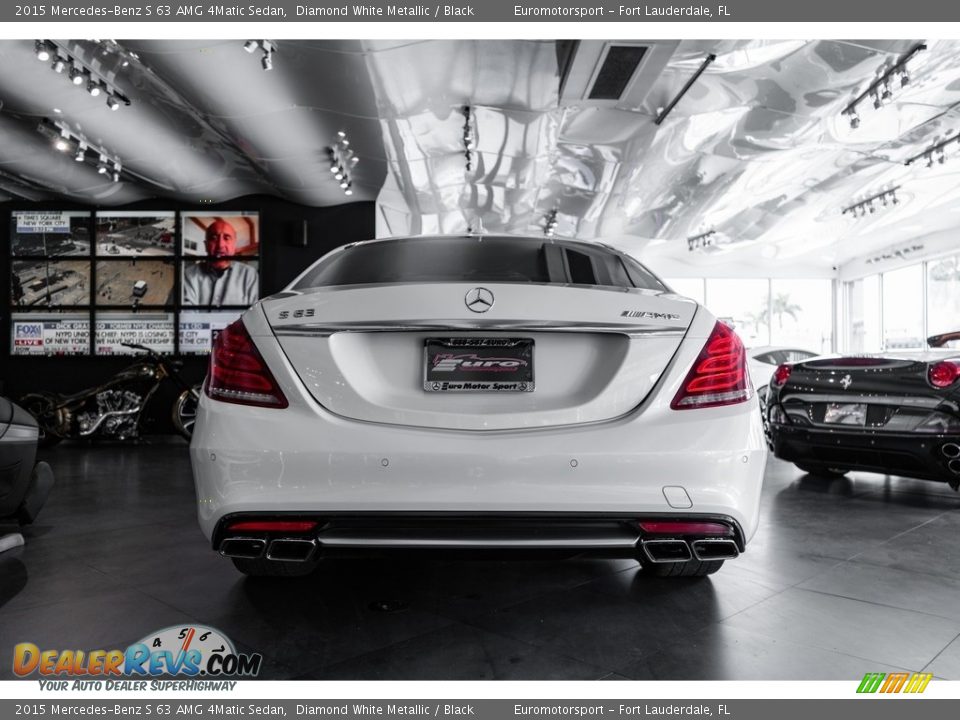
(782, 306)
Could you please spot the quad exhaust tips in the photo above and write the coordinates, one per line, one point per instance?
(243, 547)
(279, 549)
(667, 551)
(718, 549)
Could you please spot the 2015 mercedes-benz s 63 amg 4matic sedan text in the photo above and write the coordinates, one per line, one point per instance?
(478, 392)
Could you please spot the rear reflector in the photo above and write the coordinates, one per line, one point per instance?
(943, 374)
(719, 374)
(238, 373)
(684, 527)
(279, 526)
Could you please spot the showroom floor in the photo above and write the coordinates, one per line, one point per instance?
(843, 578)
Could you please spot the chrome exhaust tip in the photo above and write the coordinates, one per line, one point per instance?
(667, 551)
(291, 549)
(950, 450)
(715, 549)
(243, 547)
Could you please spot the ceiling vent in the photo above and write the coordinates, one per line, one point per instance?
(616, 71)
(619, 72)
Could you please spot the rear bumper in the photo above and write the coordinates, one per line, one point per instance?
(605, 535)
(305, 460)
(917, 456)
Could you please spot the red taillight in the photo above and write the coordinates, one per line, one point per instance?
(237, 372)
(684, 527)
(719, 374)
(781, 375)
(294, 526)
(943, 374)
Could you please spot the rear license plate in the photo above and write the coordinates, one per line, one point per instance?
(478, 365)
(846, 414)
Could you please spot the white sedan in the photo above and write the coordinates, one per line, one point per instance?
(478, 392)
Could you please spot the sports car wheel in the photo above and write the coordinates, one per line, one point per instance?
(821, 470)
(261, 567)
(691, 568)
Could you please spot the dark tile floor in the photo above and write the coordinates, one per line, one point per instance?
(843, 577)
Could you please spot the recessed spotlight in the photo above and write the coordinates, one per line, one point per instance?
(42, 50)
(94, 87)
(76, 75)
(112, 102)
(62, 145)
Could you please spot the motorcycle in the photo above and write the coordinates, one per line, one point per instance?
(114, 410)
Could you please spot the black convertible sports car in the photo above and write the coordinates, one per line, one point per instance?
(896, 413)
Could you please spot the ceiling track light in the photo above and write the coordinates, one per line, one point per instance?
(880, 89)
(267, 46)
(550, 224)
(79, 74)
(870, 205)
(938, 149)
(469, 137)
(65, 139)
(702, 241)
(342, 158)
(44, 50)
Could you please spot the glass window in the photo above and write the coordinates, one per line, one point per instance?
(475, 259)
(743, 305)
(863, 315)
(943, 295)
(802, 314)
(903, 308)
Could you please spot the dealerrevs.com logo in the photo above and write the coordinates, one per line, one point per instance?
(191, 651)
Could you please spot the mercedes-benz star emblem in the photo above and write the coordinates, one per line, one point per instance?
(479, 300)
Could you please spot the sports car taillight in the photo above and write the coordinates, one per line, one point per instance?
(238, 373)
(781, 375)
(943, 374)
(719, 374)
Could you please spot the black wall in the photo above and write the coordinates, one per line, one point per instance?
(285, 251)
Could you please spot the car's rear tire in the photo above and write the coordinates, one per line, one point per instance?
(690, 568)
(821, 470)
(261, 567)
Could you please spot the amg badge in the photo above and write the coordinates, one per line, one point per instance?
(649, 315)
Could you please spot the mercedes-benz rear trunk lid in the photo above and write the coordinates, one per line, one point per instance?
(537, 355)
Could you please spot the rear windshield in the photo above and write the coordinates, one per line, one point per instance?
(478, 259)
